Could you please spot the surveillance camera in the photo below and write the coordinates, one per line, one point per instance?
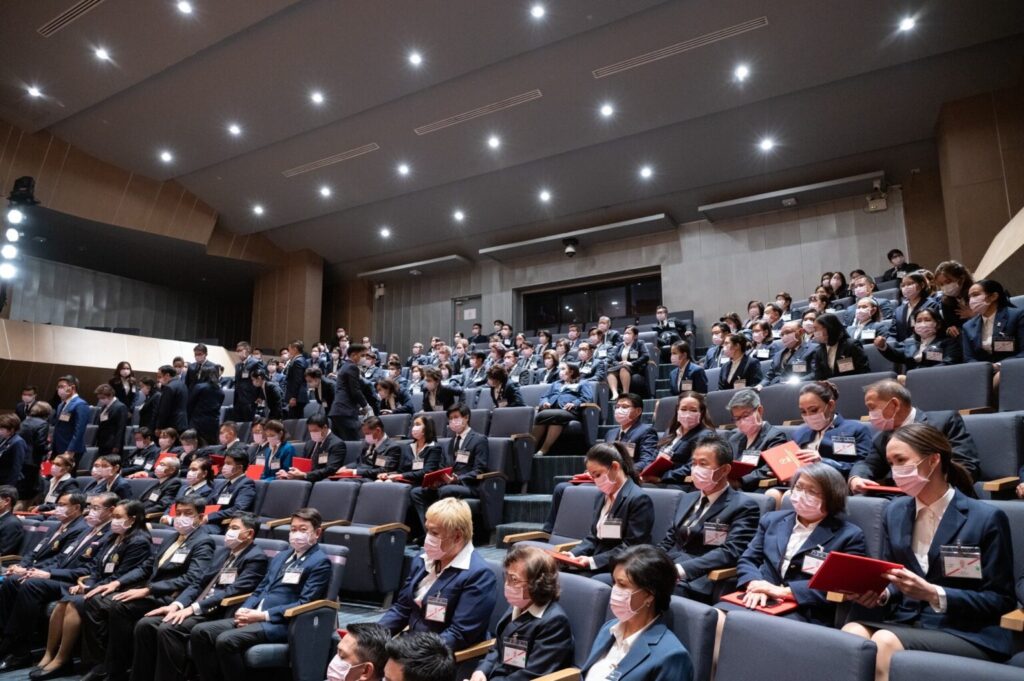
(570, 247)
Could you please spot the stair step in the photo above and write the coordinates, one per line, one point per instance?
(505, 529)
(664, 392)
(526, 508)
(545, 468)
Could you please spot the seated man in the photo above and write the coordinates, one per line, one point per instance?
(144, 456)
(792, 362)
(591, 367)
(753, 435)
(325, 449)
(863, 286)
(451, 589)
(713, 525)
(106, 473)
(162, 635)
(111, 616)
(685, 375)
(11, 529)
(889, 407)
(382, 455)
(227, 437)
(295, 577)
(419, 656)
(640, 439)
(235, 493)
(363, 646)
(160, 498)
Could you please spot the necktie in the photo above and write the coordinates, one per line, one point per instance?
(170, 551)
(458, 443)
(216, 578)
(698, 511)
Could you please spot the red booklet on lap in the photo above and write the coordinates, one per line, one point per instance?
(435, 478)
(849, 574)
(782, 459)
(658, 467)
(771, 607)
(873, 488)
(739, 469)
(582, 479)
(570, 559)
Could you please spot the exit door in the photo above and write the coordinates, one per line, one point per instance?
(465, 313)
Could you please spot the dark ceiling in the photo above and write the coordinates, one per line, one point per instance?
(836, 84)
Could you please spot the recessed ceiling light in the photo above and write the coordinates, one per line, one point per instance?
(166, 156)
(33, 91)
(767, 144)
(403, 169)
(385, 232)
(544, 195)
(646, 172)
(607, 110)
(325, 191)
(9, 251)
(908, 24)
(15, 217)
(316, 97)
(185, 7)
(257, 209)
(102, 54)
(459, 216)
(538, 11)
(415, 58)
(235, 129)
(7, 271)
(741, 73)
(494, 141)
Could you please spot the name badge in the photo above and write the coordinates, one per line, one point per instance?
(148, 466)
(275, 465)
(813, 561)
(108, 568)
(417, 465)
(739, 383)
(777, 333)
(933, 355)
(322, 458)
(686, 386)
(437, 608)
(867, 334)
(830, 310)
(260, 461)
(1002, 345)
(380, 462)
(155, 496)
(844, 446)
(50, 499)
(178, 557)
(104, 417)
(38, 546)
(65, 417)
(513, 653)
(462, 456)
(227, 578)
(751, 456)
(715, 534)
(602, 354)
(900, 274)
(962, 562)
(763, 353)
(611, 528)
(291, 576)
(138, 461)
(69, 550)
(845, 365)
(224, 499)
(786, 317)
(799, 367)
(245, 375)
(632, 354)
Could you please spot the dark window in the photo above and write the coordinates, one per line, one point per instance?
(620, 300)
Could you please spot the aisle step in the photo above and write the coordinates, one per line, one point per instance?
(546, 467)
(526, 508)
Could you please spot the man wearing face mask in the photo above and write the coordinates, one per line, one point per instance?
(640, 439)
(685, 375)
(245, 393)
(380, 454)
(172, 408)
(889, 407)
(111, 419)
(235, 493)
(863, 286)
(349, 399)
(295, 393)
(713, 357)
(70, 419)
(900, 267)
(752, 436)
(295, 577)
(713, 525)
(320, 392)
(162, 635)
(29, 396)
(361, 654)
(325, 449)
(110, 618)
(144, 457)
(160, 498)
(195, 368)
(106, 473)
(792, 362)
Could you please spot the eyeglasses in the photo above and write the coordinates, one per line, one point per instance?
(803, 489)
(512, 580)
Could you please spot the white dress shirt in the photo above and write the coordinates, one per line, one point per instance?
(987, 328)
(605, 667)
(926, 524)
(460, 562)
(801, 533)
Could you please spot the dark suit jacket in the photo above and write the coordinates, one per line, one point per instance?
(268, 401)
(657, 655)
(172, 410)
(22, 409)
(250, 567)
(36, 433)
(785, 364)
(693, 373)
(160, 498)
(548, 641)
(295, 380)
(205, 490)
(132, 559)
(479, 454)
(402, 403)
(636, 511)
(327, 456)
(245, 391)
(444, 398)
(643, 439)
(902, 328)
(75, 559)
(875, 466)
(861, 433)
(275, 597)
(593, 369)
(192, 372)
(713, 357)
(384, 459)
(14, 453)
(637, 358)
(470, 595)
(12, 531)
(204, 402)
(749, 370)
(769, 437)
(118, 486)
(70, 420)
(323, 395)
(148, 410)
(111, 427)
(63, 487)
(431, 456)
(48, 550)
(240, 495)
(1008, 327)
(176, 574)
(950, 350)
(507, 396)
(763, 558)
(682, 453)
(847, 349)
(140, 460)
(348, 395)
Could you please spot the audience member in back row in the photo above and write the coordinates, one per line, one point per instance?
(889, 407)
(690, 423)
(712, 525)
(790, 546)
(953, 281)
(753, 435)
(739, 370)
(420, 456)
(639, 439)
(685, 375)
(713, 357)
(13, 452)
(836, 354)
(996, 332)
(867, 322)
(112, 420)
(325, 450)
(60, 482)
(957, 578)
(627, 361)
(927, 345)
(504, 393)
(825, 435)
(916, 295)
(560, 406)
(792, 358)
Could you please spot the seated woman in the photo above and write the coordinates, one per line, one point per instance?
(278, 451)
(534, 635)
(996, 332)
(544, 342)
(915, 295)
(559, 407)
(449, 377)
(738, 370)
(416, 379)
(928, 346)
(790, 546)
(818, 301)
(548, 372)
(957, 578)
(451, 588)
(623, 514)
(189, 449)
(60, 482)
(839, 285)
(826, 436)
(423, 455)
(755, 313)
(761, 340)
(393, 400)
(627, 360)
(561, 350)
(807, 320)
(867, 322)
(199, 482)
(837, 354)
(686, 376)
(713, 357)
(690, 423)
(752, 436)
(504, 393)
(124, 557)
(257, 451)
(637, 645)
(437, 396)
(160, 498)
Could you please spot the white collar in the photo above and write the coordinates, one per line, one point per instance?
(630, 640)
(464, 433)
(939, 506)
(713, 497)
(534, 609)
(460, 562)
(798, 524)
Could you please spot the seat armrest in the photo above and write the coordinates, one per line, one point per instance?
(309, 607)
(10, 558)
(377, 529)
(722, 574)
(1014, 620)
(1000, 484)
(590, 405)
(154, 516)
(473, 652)
(793, 422)
(234, 600)
(570, 674)
(336, 523)
(836, 597)
(977, 410)
(527, 536)
(519, 436)
(277, 523)
(768, 482)
(559, 548)
(489, 475)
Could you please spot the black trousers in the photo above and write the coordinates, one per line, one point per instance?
(108, 627)
(423, 497)
(346, 427)
(218, 649)
(161, 649)
(23, 603)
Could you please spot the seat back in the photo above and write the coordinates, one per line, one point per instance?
(295, 429)
(483, 399)
(380, 503)
(694, 624)
(868, 513)
(876, 362)
(576, 513)
(930, 386)
(480, 420)
(439, 420)
(90, 434)
(34, 531)
(334, 499)
(416, 401)
(1000, 441)
(271, 547)
(664, 409)
(244, 429)
(717, 401)
(586, 602)
(141, 486)
(470, 396)
(1014, 510)
(851, 392)
(665, 501)
(1011, 385)
(781, 402)
(284, 497)
(161, 535)
(914, 665)
(509, 421)
(396, 425)
(764, 502)
(500, 604)
(229, 397)
(338, 555)
(819, 649)
(532, 394)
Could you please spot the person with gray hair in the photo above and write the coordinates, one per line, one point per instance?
(160, 498)
(753, 435)
(792, 361)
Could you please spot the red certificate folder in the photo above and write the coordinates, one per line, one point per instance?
(582, 479)
(254, 471)
(872, 488)
(435, 478)
(782, 459)
(345, 473)
(658, 467)
(849, 574)
(739, 469)
(304, 465)
(570, 559)
(772, 608)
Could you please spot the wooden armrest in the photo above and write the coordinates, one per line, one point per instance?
(473, 652)
(1000, 484)
(10, 558)
(588, 405)
(277, 523)
(377, 529)
(309, 607)
(234, 600)
(336, 523)
(518, 436)
(570, 674)
(154, 516)
(1014, 620)
(836, 597)
(722, 574)
(977, 410)
(527, 536)
(489, 475)
(793, 422)
(768, 482)
(559, 548)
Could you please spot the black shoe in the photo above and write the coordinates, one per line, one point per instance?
(40, 675)
(95, 675)
(12, 662)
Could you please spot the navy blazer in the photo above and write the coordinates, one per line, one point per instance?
(749, 370)
(693, 373)
(863, 334)
(295, 380)
(431, 456)
(111, 425)
(479, 453)
(12, 531)
(69, 422)
(876, 467)
(274, 597)
(787, 365)
(131, 558)
(637, 358)
(75, 558)
(250, 567)
(172, 409)
(348, 392)
(902, 328)
(950, 352)
(14, 454)
(242, 499)
(140, 460)
(560, 394)
(470, 594)
(656, 655)
(974, 606)
(507, 395)
(388, 453)
(118, 486)
(402, 403)
(160, 498)
(768, 437)
(1008, 327)
(634, 508)
(65, 486)
(685, 545)
(593, 369)
(847, 349)
(48, 549)
(713, 357)
(173, 577)
(443, 399)
(327, 457)
(548, 640)
(766, 551)
(205, 490)
(641, 438)
(861, 433)
(681, 452)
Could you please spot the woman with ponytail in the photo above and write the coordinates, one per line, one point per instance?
(957, 575)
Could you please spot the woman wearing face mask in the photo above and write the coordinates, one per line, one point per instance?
(837, 354)
(547, 374)
(952, 282)
(807, 320)
(627, 362)
(637, 645)
(198, 482)
(126, 387)
(755, 313)
(997, 330)
(915, 294)
(279, 452)
(544, 342)
(14, 451)
(393, 400)
(60, 482)
(686, 376)
(124, 557)
(560, 406)
(738, 369)
(160, 498)
(439, 396)
(421, 456)
(790, 546)
(826, 436)
(257, 452)
(867, 322)
(690, 423)
(187, 450)
(957, 576)
(713, 357)
(761, 339)
(416, 380)
(838, 284)
(533, 637)
(927, 346)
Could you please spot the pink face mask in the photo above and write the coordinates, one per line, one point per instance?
(621, 604)
(909, 479)
(750, 425)
(688, 419)
(805, 505)
(703, 478)
(816, 422)
(758, 336)
(417, 431)
(316, 436)
(605, 484)
(517, 597)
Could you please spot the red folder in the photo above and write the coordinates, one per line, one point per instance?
(570, 559)
(163, 455)
(582, 479)
(772, 608)
(344, 473)
(254, 471)
(849, 574)
(304, 465)
(872, 488)
(658, 467)
(45, 467)
(435, 478)
(739, 469)
(782, 459)
(217, 459)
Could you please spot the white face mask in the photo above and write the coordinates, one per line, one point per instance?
(231, 539)
(316, 436)
(622, 415)
(227, 470)
(184, 524)
(416, 432)
(952, 290)
(192, 476)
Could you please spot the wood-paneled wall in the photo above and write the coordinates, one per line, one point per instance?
(287, 301)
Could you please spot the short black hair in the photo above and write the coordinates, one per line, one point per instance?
(423, 656)
(314, 372)
(318, 420)
(200, 347)
(356, 348)
(461, 409)
(650, 569)
(371, 644)
(635, 400)
(145, 433)
(167, 370)
(76, 499)
(311, 515)
(893, 253)
(195, 501)
(10, 493)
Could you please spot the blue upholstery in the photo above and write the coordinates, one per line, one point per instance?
(930, 386)
(396, 425)
(694, 624)
(1011, 385)
(914, 665)
(851, 392)
(1000, 441)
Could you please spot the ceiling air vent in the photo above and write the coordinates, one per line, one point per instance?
(331, 160)
(679, 48)
(485, 110)
(76, 11)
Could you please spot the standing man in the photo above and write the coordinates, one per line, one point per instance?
(295, 392)
(195, 369)
(172, 409)
(70, 419)
(245, 392)
(349, 399)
